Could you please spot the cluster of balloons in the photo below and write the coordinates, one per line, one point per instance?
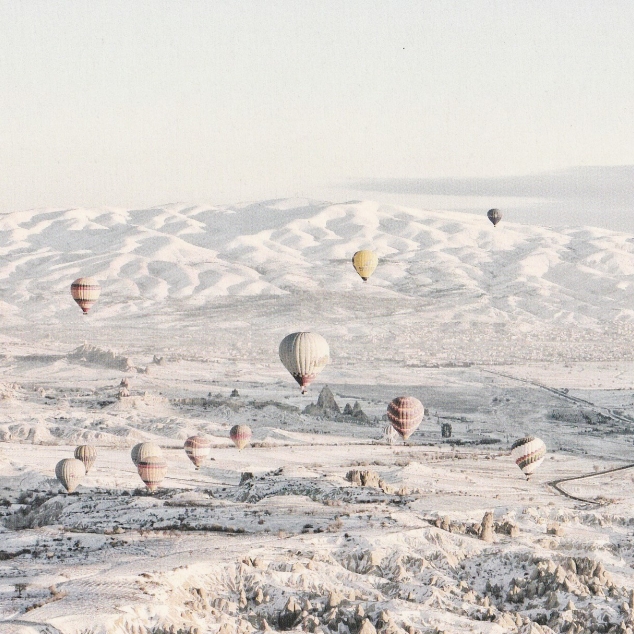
(304, 355)
(86, 290)
(71, 471)
(147, 458)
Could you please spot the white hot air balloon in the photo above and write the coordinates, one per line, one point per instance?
(144, 450)
(528, 454)
(87, 454)
(70, 472)
(304, 355)
(390, 434)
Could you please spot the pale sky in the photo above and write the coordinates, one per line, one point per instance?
(142, 103)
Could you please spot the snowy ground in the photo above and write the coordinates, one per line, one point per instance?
(463, 318)
(208, 550)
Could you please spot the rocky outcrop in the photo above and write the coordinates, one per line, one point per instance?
(326, 405)
(326, 401)
(486, 531)
(367, 478)
(91, 355)
(290, 615)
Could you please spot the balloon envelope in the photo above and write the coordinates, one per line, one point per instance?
(304, 355)
(494, 216)
(85, 291)
(87, 454)
(405, 413)
(197, 449)
(389, 433)
(144, 450)
(70, 473)
(152, 471)
(528, 454)
(365, 263)
(241, 435)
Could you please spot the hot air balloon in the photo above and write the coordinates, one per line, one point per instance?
(405, 413)
(70, 473)
(389, 434)
(144, 450)
(197, 449)
(528, 454)
(87, 454)
(364, 263)
(241, 435)
(152, 471)
(494, 216)
(85, 291)
(304, 355)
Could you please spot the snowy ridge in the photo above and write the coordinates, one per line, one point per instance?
(456, 262)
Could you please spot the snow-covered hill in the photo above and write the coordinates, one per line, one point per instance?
(445, 282)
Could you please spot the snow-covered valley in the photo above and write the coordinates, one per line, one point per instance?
(505, 332)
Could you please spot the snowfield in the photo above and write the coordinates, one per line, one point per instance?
(320, 525)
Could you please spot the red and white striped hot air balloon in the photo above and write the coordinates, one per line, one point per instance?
(304, 355)
(152, 471)
(241, 435)
(85, 291)
(197, 449)
(528, 454)
(405, 413)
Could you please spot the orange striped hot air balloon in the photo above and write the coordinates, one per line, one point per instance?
(528, 454)
(241, 435)
(85, 291)
(405, 413)
(152, 471)
(197, 449)
(87, 454)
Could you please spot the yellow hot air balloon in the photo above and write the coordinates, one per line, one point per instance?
(304, 355)
(365, 262)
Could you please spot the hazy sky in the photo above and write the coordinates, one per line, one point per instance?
(140, 103)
